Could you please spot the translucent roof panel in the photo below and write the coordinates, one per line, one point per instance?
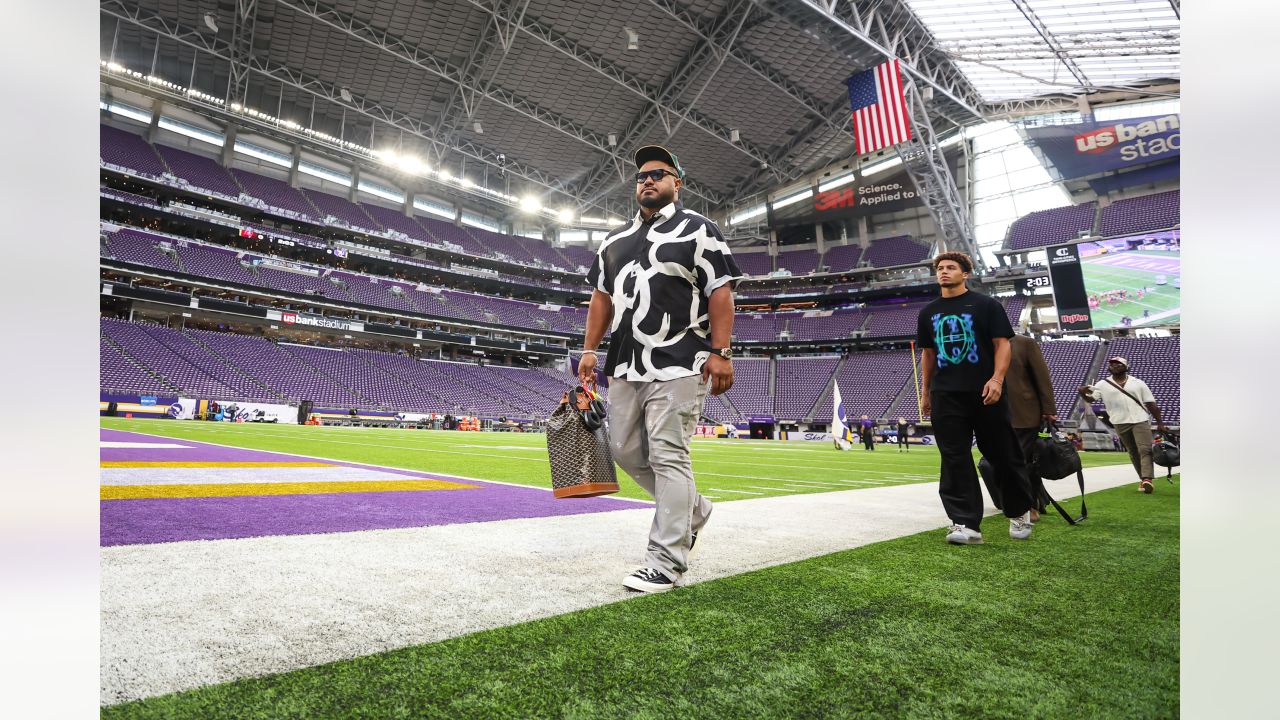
(1055, 46)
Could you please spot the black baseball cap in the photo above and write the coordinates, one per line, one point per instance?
(657, 152)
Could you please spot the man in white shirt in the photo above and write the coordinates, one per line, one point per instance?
(1130, 407)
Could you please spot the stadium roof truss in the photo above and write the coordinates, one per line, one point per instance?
(1012, 50)
(553, 96)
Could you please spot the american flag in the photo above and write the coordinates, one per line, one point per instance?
(879, 108)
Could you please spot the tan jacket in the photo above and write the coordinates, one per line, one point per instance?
(1027, 383)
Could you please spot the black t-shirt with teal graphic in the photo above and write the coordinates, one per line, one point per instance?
(961, 329)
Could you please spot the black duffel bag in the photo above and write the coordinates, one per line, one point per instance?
(1165, 453)
(1055, 456)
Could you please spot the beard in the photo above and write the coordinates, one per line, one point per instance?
(658, 199)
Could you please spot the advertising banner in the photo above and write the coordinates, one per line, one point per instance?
(297, 318)
(1097, 147)
(233, 411)
(879, 194)
(1067, 279)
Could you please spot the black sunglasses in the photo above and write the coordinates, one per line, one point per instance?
(654, 175)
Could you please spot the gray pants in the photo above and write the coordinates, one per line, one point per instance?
(650, 424)
(1137, 440)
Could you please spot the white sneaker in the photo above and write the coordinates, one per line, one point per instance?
(961, 535)
(1020, 527)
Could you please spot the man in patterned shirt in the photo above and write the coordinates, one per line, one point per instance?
(664, 289)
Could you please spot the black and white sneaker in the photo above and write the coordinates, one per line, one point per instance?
(648, 580)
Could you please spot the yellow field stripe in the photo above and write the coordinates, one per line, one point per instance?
(211, 464)
(140, 492)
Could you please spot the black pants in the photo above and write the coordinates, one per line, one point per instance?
(902, 440)
(957, 419)
(1027, 441)
(868, 440)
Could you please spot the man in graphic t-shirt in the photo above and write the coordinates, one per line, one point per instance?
(964, 341)
(664, 289)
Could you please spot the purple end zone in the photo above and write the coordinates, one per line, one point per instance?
(152, 520)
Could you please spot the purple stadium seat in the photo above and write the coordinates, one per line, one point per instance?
(1147, 213)
(893, 251)
(342, 210)
(799, 262)
(129, 151)
(800, 380)
(842, 258)
(200, 172)
(756, 264)
(1050, 227)
(277, 193)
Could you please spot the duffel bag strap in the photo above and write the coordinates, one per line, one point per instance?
(1084, 509)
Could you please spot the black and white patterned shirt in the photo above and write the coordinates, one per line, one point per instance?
(660, 275)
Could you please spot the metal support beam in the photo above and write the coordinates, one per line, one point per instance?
(1012, 109)
(424, 60)
(606, 176)
(241, 50)
(1059, 52)
(155, 23)
(893, 31)
(153, 127)
(495, 40)
(228, 144)
(532, 27)
(742, 56)
(757, 180)
(927, 166)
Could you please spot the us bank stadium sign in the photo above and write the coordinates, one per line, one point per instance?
(1092, 148)
(292, 318)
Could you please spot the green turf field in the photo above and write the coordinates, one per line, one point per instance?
(1078, 622)
(1164, 301)
(725, 469)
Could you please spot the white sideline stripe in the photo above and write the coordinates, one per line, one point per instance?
(742, 492)
(149, 446)
(182, 615)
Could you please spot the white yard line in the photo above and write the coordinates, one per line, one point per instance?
(183, 615)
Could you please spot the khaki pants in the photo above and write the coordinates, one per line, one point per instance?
(1137, 440)
(650, 424)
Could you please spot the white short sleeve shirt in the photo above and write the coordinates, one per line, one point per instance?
(1121, 408)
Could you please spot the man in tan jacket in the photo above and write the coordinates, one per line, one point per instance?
(1030, 391)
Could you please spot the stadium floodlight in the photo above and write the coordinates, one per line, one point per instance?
(613, 140)
(530, 204)
(345, 94)
(477, 127)
(565, 215)
(211, 21)
(466, 182)
(411, 165)
(445, 175)
(633, 39)
(733, 135)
